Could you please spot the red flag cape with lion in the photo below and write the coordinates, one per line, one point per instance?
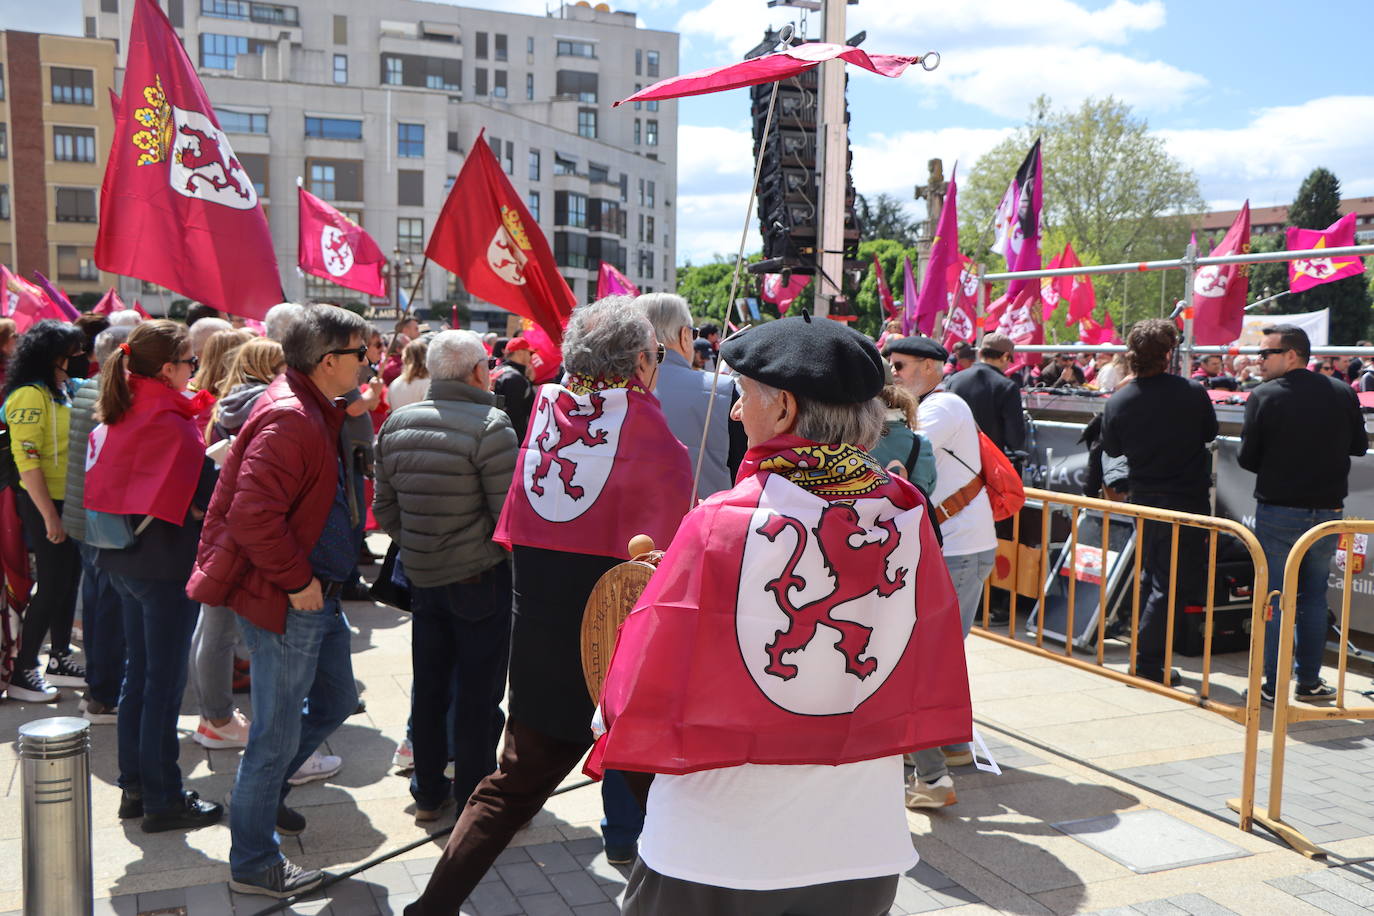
(804, 617)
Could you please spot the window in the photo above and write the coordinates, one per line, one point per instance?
(410, 141)
(598, 173)
(176, 12)
(333, 128)
(418, 70)
(4, 141)
(499, 89)
(109, 6)
(410, 234)
(4, 201)
(639, 62)
(220, 52)
(529, 86)
(641, 195)
(531, 200)
(495, 145)
(500, 47)
(510, 158)
(568, 48)
(562, 165)
(652, 105)
(410, 188)
(480, 88)
(270, 13)
(639, 129)
(2, 81)
(75, 205)
(534, 165)
(448, 184)
(335, 179)
(241, 122)
(639, 235)
(71, 144)
(576, 84)
(649, 229)
(72, 87)
(90, 26)
(649, 197)
(225, 9)
(340, 29)
(453, 142)
(392, 72)
(651, 132)
(624, 187)
(586, 123)
(570, 249)
(255, 164)
(604, 215)
(481, 52)
(76, 262)
(651, 69)
(340, 68)
(570, 209)
(638, 86)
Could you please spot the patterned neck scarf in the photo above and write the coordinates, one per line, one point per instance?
(583, 384)
(838, 471)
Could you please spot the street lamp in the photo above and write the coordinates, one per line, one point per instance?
(400, 270)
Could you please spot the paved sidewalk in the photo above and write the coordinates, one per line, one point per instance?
(1004, 847)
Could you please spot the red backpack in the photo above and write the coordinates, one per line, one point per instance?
(1006, 494)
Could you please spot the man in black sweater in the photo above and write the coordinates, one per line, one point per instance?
(994, 399)
(1300, 430)
(1162, 424)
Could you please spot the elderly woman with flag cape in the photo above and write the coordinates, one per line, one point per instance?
(800, 635)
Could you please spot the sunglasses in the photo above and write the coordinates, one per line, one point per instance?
(360, 352)
(192, 361)
(1272, 351)
(696, 332)
(898, 365)
(493, 362)
(658, 357)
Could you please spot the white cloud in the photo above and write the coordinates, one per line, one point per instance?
(895, 163)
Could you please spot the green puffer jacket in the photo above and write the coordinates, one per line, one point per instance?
(444, 465)
(83, 421)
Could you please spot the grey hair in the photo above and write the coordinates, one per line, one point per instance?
(858, 424)
(315, 331)
(125, 318)
(278, 317)
(108, 339)
(604, 339)
(667, 312)
(204, 329)
(454, 354)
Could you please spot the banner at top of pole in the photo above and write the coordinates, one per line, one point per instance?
(772, 67)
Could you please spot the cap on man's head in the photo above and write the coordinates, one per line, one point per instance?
(702, 346)
(999, 342)
(921, 347)
(517, 343)
(818, 359)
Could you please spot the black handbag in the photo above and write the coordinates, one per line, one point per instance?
(385, 590)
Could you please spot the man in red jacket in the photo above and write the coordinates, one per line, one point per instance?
(279, 543)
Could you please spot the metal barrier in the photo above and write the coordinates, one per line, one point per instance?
(1285, 713)
(1247, 715)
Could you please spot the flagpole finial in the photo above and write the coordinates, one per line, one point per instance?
(930, 60)
(300, 182)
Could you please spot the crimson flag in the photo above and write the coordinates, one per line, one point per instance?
(109, 303)
(722, 662)
(1076, 290)
(333, 247)
(611, 282)
(1219, 290)
(783, 294)
(961, 322)
(24, 302)
(177, 207)
(769, 68)
(909, 297)
(1305, 273)
(67, 311)
(487, 237)
(1090, 332)
(884, 291)
(1019, 317)
(944, 251)
(545, 357)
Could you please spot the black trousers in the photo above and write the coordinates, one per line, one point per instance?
(652, 894)
(52, 608)
(1156, 539)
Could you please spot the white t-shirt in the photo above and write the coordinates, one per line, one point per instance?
(945, 419)
(400, 393)
(755, 827)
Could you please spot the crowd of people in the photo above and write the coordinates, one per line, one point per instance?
(175, 480)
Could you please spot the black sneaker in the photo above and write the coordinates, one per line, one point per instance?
(1314, 693)
(1267, 694)
(130, 804)
(622, 855)
(189, 815)
(285, 879)
(64, 672)
(290, 822)
(28, 685)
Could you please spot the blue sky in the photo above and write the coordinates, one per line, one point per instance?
(1250, 95)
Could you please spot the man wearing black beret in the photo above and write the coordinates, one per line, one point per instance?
(770, 665)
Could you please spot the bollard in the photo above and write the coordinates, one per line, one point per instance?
(55, 757)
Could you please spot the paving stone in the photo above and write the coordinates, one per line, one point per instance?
(208, 900)
(161, 900)
(396, 904)
(1149, 841)
(1297, 885)
(1158, 908)
(389, 878)
(553, 858)
(352, 895)
(421, 868)
(577, 888)
(1337, 906)
(597, 909)
(954, 896)
(1342, 887)
(591, 844)
(545, 905)
(511, 855)
(1116, 911)
(1198, 905)
(123, 905)
(524, 878)
(495, 899)
(930, 877)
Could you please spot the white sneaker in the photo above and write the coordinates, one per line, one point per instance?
(404, 758)
(937, 794)
(233, 733)
(29, 686)
(317, 766)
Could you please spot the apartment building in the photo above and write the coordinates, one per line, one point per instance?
(375, 103)
(55, 128)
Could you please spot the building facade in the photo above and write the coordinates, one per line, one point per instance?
(1264, 220)
(374, 104)
(55, 130)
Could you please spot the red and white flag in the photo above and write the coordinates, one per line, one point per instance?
(596, 468)
(333, 247)
(487, 237)
(791, 622)
(1076, 290)
(1219, 290)
(24, 302)
(1305, 273)
(1090, 332)
(884, 291)
(961, 321)
(611, 282)
(782, 294)
(177, 207)
(1021, 319)
(545, 357)
(1018, 220)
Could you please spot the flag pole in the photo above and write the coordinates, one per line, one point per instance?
(419, 278)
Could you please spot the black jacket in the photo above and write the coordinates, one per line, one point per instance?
(517, 393)
(1162, 424)
(996, 404)
(1300, 431)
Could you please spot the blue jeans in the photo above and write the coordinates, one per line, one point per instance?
(624, 820)
(308, 664)
(459, 650)
(103, 620)
(158, 620)
(968, 572)
(1278, 529)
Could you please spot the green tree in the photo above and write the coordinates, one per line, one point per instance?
(706, 287)
(867, 303)
(1110, 187)
(885, 217)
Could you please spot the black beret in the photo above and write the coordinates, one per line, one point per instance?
(923, 347)
(817, 358)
